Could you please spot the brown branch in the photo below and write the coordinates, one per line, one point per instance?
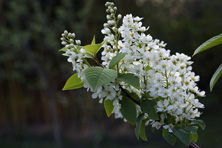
(193, 145)
(97, 61)
(129, 96)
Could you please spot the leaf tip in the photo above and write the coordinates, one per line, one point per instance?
(211, 88)
(64, 88)
(195, 52)
(94, 40)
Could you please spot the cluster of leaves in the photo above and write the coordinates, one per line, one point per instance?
(98, 76)
(214, 41)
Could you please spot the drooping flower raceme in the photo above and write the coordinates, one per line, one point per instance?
(166, 82)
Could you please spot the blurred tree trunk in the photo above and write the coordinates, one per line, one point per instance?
(48, 89)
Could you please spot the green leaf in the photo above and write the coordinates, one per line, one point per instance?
(98, 76)
(143, 131)
(170, 138)
(138, 125)
(147, 96)
(199, 122)
(73, 82)
(193, 132)
(182, 135)
(147, 106)
(128, 109)
(130, 79)
(214, 41)
(191, 129)
(116, 60)
(215, 77)
(147, 68)
(94, 48)
(94, 40)
(193, 137)
(88, 56)
(153, 129)
(108, 105)
(63, 49)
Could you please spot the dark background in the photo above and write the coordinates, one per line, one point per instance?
(36, 113)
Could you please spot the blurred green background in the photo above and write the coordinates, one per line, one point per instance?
(36, 113)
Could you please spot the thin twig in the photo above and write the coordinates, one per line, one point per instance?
(193, 145)
(129, 96)
(97, 61)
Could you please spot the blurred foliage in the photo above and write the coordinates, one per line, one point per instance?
(30, 33)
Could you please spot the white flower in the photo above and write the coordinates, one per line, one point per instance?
(137, 19)
(137, 70)
(110, 92)
(162, 105)
(193, 114)
(98, 93)
(196, 103)
(157, 125)
(128, 20)
(143, 29)
(169, 127)
(82, 53)
(201, 94)
(164, 78)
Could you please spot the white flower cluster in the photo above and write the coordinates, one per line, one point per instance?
(76, 55)
(165, 78)
(75, 52)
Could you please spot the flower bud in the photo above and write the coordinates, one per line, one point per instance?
(106, 25)
(112, 14)
(114, 29)
(65, 32)
(111, 22)
(71, 46)
(82, 51)
(107, 4)
(73, 35)
(78, 42)
(63, 43)
(119, 16)
(108, 17)
(71, 41)
(67, 46)
(111, 10)
(111, 4)
(106, 31)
